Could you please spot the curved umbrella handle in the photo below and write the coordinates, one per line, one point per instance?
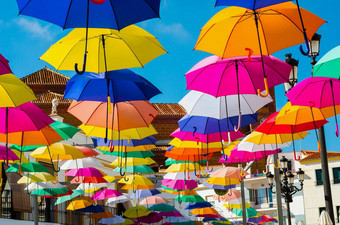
(195, 129)
(98, 2)
(121, 172)
(250, 52)
(38, 199)
(266, 88)
(229, 140)
(307, 45)
(209, 170)
(84, 65)
(225, 157)
(229, 193)
(239, 123)
(278, 164)
(188, 174)
(337, 130)
(295, 157)
(56, 180)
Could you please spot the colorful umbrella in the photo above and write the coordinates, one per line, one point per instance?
(136, 212)
(198, 205)
(28, 167)
(105, 194)
(80, 163)
(116, 200)
(85, 172)
(136, 169)
(36, 177)
(261, 138)
(162, 207)
(179, 184)
(112, 220)
(327, 65)
(151, 140)
(91, 209)
(88, 152)
(100, 215)
(75, 193)
(153, 217)
(51, 192)
(132, 162)
(189, 198)
(249, 211)
(153, 200)
(79, 204)
(206, 210)
(144, 193)
(42, 185)
(4, 66)
(134, 154)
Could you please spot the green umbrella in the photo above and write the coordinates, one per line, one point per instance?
(162, 207)
(51, 191)
(28, 167)
(249, 211)
(65, 131)
(171, 161)
(136, 154)
(190, 198)
(328, 65)
(136, 169)
(66, 198)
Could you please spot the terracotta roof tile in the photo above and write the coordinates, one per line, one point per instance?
(311, 155)
(45, 76)
(169, 109)
(47, 97)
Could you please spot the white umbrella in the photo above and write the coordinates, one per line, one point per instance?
(201, 104)
(42, 185)
(113, 220)
(87, 186)
(325, 219)
(81, 163)
(181, 176)
(251, 147)
(115, 200)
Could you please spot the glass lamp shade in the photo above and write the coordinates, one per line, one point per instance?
(293, 73)
(314, 45)
(290, 178)
(270, 178)
(281, 175)
(284, 162)
(301, 175)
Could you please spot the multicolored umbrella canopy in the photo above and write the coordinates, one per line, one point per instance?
(151, 140)
(79, 204)
(189, 198)
(7, 154)
(239, 156)
(51, 192)
(162, 207)
(132, 162)
(125, 115)
(36, 177)
(87, 151)
(57, 151)
(4, 66)
(81, 163)
(43, 185)
(134, 154)
(225, 26)
(198, 205)
(13, 91)
(85, 172)
(105, 194)
(249, 211)
(249, 4)
(262, 138)
(112, 220)
(137, 169)
(105, 14)
(153, 217)
(92, 209)
(120, 85)
(28, 167)
(179, 184)
(115, 200)
(144, 193)
(127, 48)
(242, 75)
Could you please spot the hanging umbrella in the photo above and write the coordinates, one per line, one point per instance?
(198, 205)
(225, 178)
(200, 104)
(235, 204)
(182, 167)
(80, 163)
(144, 193)
(151, 140)
(79, 204)
(223, 35)
(4, 66)
(189, 198)
(120, 85)
(85, 172)
(262, 138)
(28, 167)
(125, 115)
(191, 154)
(319, 92)
(171, 213)
(136, 212)
(88, 152)
(75, 193)
(7, 155)
(137, 169)
(51, 192)
(116, 200)
(107, 49)
(14, 92)
(239, 156)
(180, 176)
(206, 210)
(135, 180)
(35, 177)
(161, 207)
(42, 185)
(171, 161)
(105, 194)
(112, 220)
(153, 217)
(242, 75)
(100, 215)
(153, 200)
(249, 211)
(231, 195)
(132, 162)
(327, 65)
(179, 184)
(91, 209)
(92, 180)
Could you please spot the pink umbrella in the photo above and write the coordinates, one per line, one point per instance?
(105, 194)
(179, 184)
(4, 66)
(25, 117)
(3, 154)
(319, 92)
(171, 213)
(230, 172)
(153, 217)
(153, 200)
(231, 195)
(89, 152)
(85, 172)
(238, 75)
(207, 138)
(237, 156)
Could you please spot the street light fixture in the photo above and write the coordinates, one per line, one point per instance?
(293, 73)
(314, 46)
(287, 183)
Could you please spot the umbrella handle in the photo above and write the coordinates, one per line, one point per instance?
(250, 52)
(188, 174)
(98, 2)
(278, 164)
(243, 174)
(38, 199)
(228, 191)
(239, 123)
(337, 130)
(295, 157)
(121, 172)
(307, 45)
(209, 170)
(84, 65)
(225, 157)
(56, 180)
(229, 140)
(266, 88)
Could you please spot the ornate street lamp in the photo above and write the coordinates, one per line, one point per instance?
(314, 46)
(287, 183)
(293, 73)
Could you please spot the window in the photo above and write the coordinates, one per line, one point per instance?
(336, 175)
(321, 209)
(319, 177)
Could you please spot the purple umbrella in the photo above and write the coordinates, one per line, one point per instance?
(171, 213)
(153, 217)
(179, 184)
(4, 66)
(237, 156)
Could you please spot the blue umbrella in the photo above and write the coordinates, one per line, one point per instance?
(213, 219)
(197, 205)
(144, 193)
(151, 140)
(113, 220)
(249, 4)
(91, 209)
(114, 14)
(207, 125)
(221, 187)
(120, 85)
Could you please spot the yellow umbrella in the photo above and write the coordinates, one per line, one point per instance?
(236, 204)
(135, 133)
(222, 181)
(36, 177)
(183, 167)
(137, 211)
(127, 48)
(57, 151)
(231, 146)
(135, 180)
(79, 204)
(132, 161)
(203, 211)
(128, 148)
(261, 138)
(13, 91)
(194, 144)
(18, 153)
(137, 187)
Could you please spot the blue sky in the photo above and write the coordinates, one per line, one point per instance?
(24, 39)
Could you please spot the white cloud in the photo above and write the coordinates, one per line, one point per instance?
(175, 29)
(35, 28)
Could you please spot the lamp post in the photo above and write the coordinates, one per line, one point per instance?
(293, 73)
(314, 52)
(287, 183)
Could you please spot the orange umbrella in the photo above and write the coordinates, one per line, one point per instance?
(126, 115)
(200, 211)
(93, 180)
(89, 152)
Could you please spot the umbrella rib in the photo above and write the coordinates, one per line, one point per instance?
(114, 14)
(69, 52)
(68, 12)
(219, 85)
(255, 89)
(24, 7)
(265, 39)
